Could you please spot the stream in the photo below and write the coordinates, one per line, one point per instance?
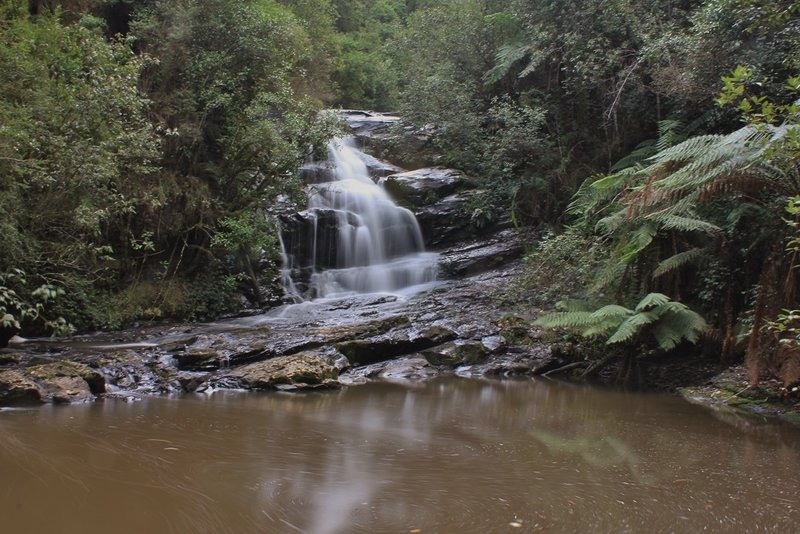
(449, 455)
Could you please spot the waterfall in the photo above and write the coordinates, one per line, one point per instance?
(353, 238)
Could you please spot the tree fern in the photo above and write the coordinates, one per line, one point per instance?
(668, 322)
(678, 260)
(652, 300)
(684, 224)
(507, 56)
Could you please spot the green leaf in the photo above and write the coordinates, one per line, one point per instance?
(652, 300)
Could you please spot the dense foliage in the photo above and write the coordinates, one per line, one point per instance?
(133, 168)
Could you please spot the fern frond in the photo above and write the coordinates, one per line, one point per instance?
(670, 133)
(570, 319)
(652, 300)
(679, 260)
(609, 276)
(507, 56)
(642, 152)
(535, 60)
(610, 311)
(638, 240)
(611, 223)
(631, 326)
(677, 325)
(687, 150)
(685, 224)
(666, 336)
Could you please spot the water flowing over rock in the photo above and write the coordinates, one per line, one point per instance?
(353, 238)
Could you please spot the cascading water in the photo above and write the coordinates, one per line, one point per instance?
(353, 238)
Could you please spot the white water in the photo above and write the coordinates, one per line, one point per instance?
(378, 244)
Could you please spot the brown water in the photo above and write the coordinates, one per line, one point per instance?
(449, 456)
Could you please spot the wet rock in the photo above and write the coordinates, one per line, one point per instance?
(409, 368)
(176, 345)
(482, 255)
(9, 358)
(316, 173)
(393, 344)
(441, 356)
(146, 372)
(334, 334)
(305, 370)
(423, 187)
(15, 388)
(469, 352)
(385, 136)
(321, 172)
(7, 330)
(198, 360)
(49, 373)
(461, 352)
(446, 221)
(367, 124)
(514, 363)
(377, 168)
(494, 344)
(67, 390)
(191, 381)
(311, 237)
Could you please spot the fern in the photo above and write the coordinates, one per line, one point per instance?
(651, 300)
(667, 321)
(507, 56)
(685, 224)
(679, 260)
(631, 326)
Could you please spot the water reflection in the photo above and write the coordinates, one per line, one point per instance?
(454, 455)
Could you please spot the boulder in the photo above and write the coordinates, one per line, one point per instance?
(191, 381)
(67, 390)
(15, 388)
(530, 361)
(459, 353)
(370, 124)
(336, 334)
(305, 370)
(393, 344)
(409, 368)
(483, 254)
(48, 374)
(377, 168)
(316, 173)
(422, 187)
(198, 360)
(8, 329)
(445, 222)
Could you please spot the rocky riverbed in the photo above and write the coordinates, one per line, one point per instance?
(454, 327)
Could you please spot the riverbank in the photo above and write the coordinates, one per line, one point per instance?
(458, 327)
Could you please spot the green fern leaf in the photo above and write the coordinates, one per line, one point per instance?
(571, 319)
(684, 224)
(507, 56)
(631, 326)
(610, 311)
(679, 260)
(666, 337)
(652, 300)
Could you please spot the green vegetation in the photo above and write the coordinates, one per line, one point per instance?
(134, 166)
